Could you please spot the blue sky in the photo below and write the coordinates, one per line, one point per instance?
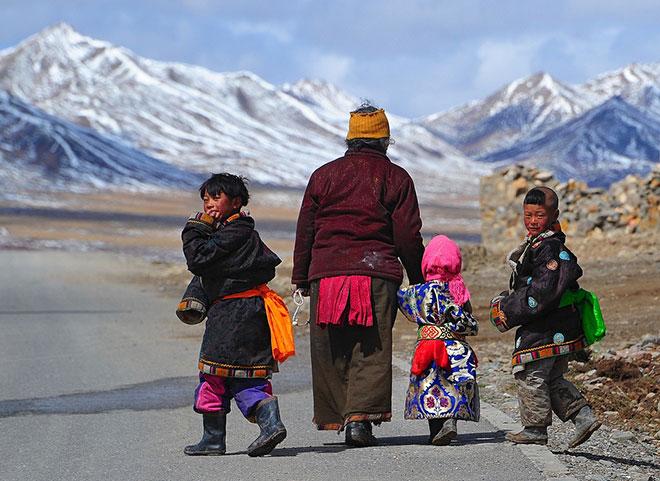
(414, 57)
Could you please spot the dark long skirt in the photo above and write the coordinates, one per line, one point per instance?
(352, 365)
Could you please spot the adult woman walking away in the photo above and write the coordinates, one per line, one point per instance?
(359, 217)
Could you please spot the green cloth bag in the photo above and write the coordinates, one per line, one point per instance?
(587, 303)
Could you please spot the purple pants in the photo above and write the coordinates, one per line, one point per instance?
(214, 393)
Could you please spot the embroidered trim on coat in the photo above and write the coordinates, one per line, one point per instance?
(548, 350)
(226, 370)
(431, 332)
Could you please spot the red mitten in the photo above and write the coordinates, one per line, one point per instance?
(428, 351)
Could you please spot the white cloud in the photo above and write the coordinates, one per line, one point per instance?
(571, 58)
(329, 66)
(278, 32)
(501, 61)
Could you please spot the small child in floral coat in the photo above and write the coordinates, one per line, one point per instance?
(443, 378)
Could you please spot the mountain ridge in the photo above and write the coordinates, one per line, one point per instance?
(200, 120)
(40, 150)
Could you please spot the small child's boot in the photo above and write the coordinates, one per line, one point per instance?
(213, 439)
(585, 425)
(273, 431)
(442, 431)
(529, 435)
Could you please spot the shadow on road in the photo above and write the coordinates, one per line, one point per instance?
(462, 439)
(613, 459)
(324, 448)
(168, 393)
(481, 438)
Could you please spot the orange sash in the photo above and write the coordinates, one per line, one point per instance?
(279, 322)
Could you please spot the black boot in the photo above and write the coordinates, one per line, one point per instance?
(358, 434)
(435, 425)
(273, 431)
(213, 439)
(585, 425)
(446, 433)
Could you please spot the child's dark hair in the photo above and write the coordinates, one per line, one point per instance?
(542, 196)
(232, 185)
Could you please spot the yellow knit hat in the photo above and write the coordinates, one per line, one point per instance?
(368, 125)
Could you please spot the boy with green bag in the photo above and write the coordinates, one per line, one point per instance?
(545, 302)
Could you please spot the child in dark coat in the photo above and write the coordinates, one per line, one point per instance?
(543, 270)
(232, 266)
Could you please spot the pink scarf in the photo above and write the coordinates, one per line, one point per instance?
(442, 261)
(345, 300)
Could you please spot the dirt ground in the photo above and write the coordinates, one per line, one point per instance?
(139, 220)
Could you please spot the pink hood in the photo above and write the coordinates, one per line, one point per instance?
(442, 262)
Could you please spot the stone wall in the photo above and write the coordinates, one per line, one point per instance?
(630, 205)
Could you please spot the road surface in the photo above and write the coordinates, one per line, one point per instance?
(97, 376)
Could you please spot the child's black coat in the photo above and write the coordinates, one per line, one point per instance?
(545, 271)
(228, 260)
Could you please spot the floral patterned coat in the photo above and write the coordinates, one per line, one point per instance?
(443, 374)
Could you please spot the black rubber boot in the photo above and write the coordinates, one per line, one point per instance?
(446, 431)
(435, 425)
(273, 432)
(585, 425)
(213, 439)
(358, 434)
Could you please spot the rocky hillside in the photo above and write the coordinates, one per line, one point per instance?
(630, 205)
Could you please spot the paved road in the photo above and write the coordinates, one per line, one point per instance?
(96, 378)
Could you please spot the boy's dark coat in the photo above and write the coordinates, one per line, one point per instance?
(544, 273)
(228, 260)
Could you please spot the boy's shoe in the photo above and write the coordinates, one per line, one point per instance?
(273, 432)
(358, 434)
(213, 439)
(529, 435)
(585, 425)
(445, 434)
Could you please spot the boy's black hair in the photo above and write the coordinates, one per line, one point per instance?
(541, 196)
(232, 185)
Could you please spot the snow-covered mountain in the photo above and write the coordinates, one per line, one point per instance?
(626, 82)
(599, 131)
(521, 109)
(537, 104)
(201, 120)
(41, 152)
(598, 147)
